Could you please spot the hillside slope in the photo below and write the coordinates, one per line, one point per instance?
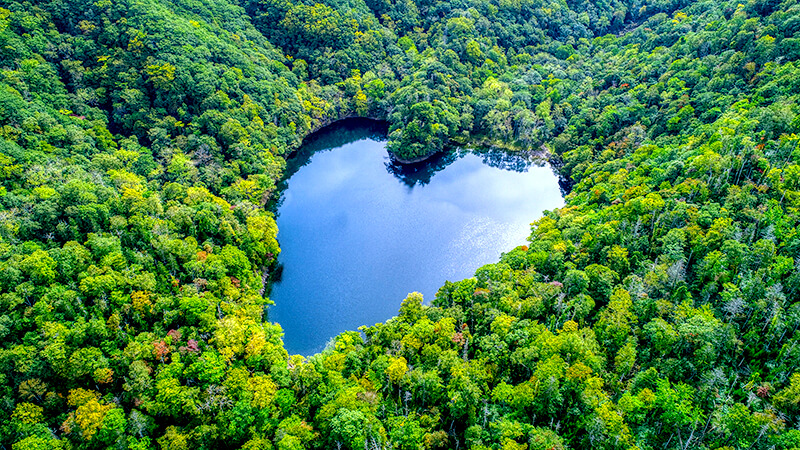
(141, 139)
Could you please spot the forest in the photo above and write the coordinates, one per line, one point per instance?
(141, 142)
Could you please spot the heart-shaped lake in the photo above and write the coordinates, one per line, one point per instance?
(358, 233)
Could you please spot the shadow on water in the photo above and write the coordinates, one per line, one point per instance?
(359, 232)
(519, 161)
(328, 138)
(333, 136)
(421, 173)
(351, 130)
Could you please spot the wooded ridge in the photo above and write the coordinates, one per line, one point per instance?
(141, 139)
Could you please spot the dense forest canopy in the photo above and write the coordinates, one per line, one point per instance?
(140, 141)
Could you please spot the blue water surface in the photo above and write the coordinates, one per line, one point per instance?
(359, 233)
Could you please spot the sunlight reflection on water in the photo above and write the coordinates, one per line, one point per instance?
(358, 234)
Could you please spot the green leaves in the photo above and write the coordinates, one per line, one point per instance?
(789, 397)
(39, 267)
(140, 142)
(427, 129)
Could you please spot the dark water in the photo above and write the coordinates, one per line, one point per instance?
(358, 233)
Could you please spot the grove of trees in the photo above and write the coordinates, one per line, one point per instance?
(141, 142)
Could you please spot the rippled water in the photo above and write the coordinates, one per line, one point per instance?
(358, 233)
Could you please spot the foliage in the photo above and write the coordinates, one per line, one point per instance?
(140, 141)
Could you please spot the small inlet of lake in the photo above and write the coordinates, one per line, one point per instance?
(358, 233)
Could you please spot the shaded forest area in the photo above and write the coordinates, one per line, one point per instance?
(141, 139)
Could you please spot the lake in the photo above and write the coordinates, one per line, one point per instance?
(358, 233)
